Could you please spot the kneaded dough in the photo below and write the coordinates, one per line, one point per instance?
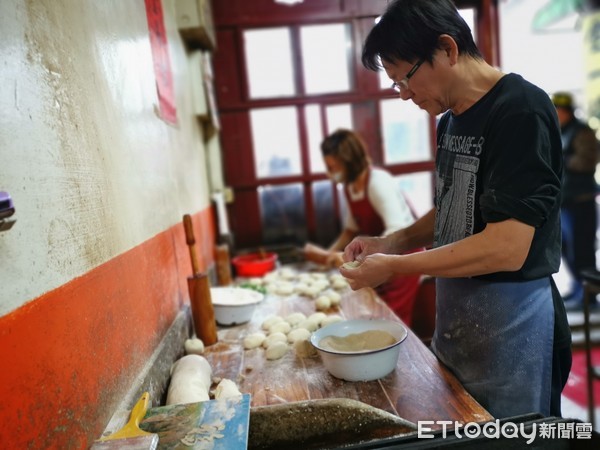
(193, 346)
(271, 320)
(280, 327)
(276, 350)
(322, 303)
(351, 264)
(355, 342)
(190, 380)
(254, 340)
(275, 337)
(317, 317)
(339, 284)
(304, 349)
(311, 324)
(331, 319)
(295, 318)
(226, 389)
(297, 335)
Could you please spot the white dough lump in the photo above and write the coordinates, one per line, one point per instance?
(193, 346)
(190, 380)
(226, 389)
(275, 337)
(297, 335)
(254, 340)
(276, 350)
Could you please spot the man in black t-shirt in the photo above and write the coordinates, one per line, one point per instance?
(495, 228)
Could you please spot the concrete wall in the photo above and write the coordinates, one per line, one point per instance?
(94, 270)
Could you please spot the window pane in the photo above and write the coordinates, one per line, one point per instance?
(326, 51)
(328, 226)
(563, 38)
(405, 132)
(269, 62)
(339, 116)
(275, 141)
(417, 189)
(282, 214)
(315, 137)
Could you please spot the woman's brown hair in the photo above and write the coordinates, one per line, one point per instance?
(350, 149)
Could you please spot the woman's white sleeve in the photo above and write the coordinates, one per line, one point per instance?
(388, 201)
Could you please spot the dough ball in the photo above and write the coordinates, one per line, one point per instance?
(287, 274)
(318, 275)
(276, 350)
(317, 317)
(321, 285)
(285, 289)
(275, 337)
(331, 319)
(226, 389)
(280, 327)
(304, 349)
(312, 291)
(254, 340)
(190, 380)
(336, 276)
(322, 303)
(295, 318)
(298, 334)
(339, 284)
(334, 296)
(310, 324)
(300, 288)
(271, 320)
(193, 346)
(305, 278)
(351, 265)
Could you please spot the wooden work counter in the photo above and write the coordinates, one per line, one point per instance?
(420, 388)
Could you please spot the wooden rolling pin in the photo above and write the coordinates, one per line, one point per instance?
(203, 313)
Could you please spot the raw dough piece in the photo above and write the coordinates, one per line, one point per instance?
(193, 346)
(317, 317)
(275, 337)
(295, 318)
(271, 320)
(190, 380)
(334, 296)
(297, 335)
(322, 303)
(280, 327)
(339, 284)
(304, 349)
(351, 265)
(331, 319)
(254, 340)
(284, 289)
(226, 389)
(276, 350)
(311, 324)
(356, 342)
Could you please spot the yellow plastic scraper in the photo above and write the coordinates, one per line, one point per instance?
(131, 437)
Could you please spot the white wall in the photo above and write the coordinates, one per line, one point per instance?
(92, 169)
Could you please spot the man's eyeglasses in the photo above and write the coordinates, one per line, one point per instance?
(403, 83)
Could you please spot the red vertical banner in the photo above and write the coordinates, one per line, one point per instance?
(162, 62)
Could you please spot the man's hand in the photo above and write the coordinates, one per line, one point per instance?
(374, 270)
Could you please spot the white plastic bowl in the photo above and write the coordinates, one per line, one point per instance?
(234, 305)
(362, 365)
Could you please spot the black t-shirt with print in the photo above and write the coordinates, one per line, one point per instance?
(502, 159)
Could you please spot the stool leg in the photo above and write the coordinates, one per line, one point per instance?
(588, 292)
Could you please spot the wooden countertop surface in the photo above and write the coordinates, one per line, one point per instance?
(420, 388)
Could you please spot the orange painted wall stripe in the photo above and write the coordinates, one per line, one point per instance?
(69, 356)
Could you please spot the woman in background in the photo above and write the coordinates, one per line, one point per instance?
(375, 208)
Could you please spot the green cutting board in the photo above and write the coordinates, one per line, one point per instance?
(214, 424)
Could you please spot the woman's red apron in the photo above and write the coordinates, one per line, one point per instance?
(400, 292)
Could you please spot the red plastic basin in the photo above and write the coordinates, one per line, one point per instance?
(253, 264)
